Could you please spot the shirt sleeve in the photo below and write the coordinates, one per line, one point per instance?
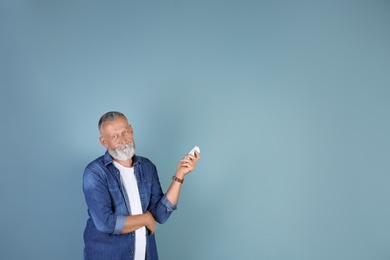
(160, 207)
(120, 224)
(165, 201)
(97, 197)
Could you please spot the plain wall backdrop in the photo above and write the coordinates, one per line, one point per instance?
(289, 102)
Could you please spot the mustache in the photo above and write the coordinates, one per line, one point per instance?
(126, 146)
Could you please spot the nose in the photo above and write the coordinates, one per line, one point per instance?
(123, 139)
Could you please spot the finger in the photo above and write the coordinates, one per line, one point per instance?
(191, 157)
(197, 155)
(185, 162)
(189, 160)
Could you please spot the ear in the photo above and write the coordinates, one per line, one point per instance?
(102, 141)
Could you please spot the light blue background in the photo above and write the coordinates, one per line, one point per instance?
(289, 102)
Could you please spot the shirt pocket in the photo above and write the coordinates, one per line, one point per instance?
(117, 201)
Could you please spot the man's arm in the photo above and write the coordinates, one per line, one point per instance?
(135, 222)
(185, 166)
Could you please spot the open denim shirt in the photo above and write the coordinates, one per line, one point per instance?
(108, 206)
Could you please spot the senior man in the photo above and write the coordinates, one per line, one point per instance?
(124, 196)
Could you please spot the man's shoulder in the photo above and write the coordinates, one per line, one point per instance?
(96, 165)
(145, 163)
(97, 161)
(142, 160)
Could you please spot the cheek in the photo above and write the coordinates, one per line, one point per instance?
(110, 145)
(128, 139)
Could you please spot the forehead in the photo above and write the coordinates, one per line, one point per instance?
(115, 125)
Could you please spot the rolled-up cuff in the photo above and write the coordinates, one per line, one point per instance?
(120, 224)
(168, 204)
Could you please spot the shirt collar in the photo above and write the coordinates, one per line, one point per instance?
(108, 159)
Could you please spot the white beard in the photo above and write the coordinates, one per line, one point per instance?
(123, 153)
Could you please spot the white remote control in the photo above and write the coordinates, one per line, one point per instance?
(196, 148)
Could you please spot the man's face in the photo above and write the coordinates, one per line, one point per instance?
(117, 137)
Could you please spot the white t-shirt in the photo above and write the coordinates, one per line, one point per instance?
(130, 183)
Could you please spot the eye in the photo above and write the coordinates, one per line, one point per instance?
(127, 132)
(114, 137)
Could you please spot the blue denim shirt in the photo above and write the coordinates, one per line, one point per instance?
(108, 206)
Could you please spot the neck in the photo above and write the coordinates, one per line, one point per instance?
(127, 163)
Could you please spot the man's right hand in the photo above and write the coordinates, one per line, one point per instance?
(137, 221)
(151, 223)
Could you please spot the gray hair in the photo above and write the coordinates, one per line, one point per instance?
(109, 116)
